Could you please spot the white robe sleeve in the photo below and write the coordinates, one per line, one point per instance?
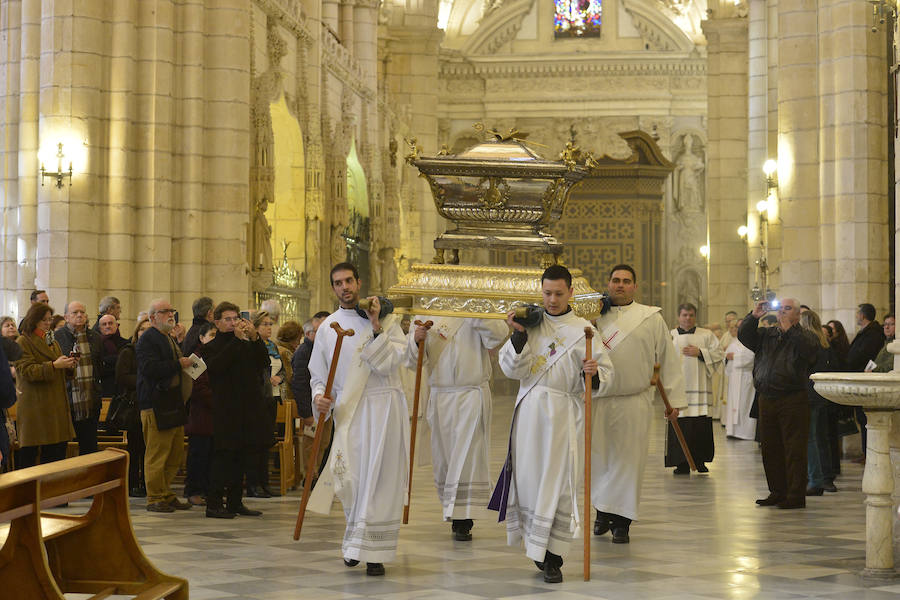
(516, 366)
(491, 331)
(743, 357)
(384, 354)
(605, 371)
(670, 366)
(411, 354)
(712, 353)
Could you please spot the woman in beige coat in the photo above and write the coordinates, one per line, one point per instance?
(43, 420)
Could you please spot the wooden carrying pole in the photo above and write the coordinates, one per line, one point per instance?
(662, 392)
(415, 420)
(586, 519)
(311, 469)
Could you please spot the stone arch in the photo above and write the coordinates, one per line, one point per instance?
(287, 211)
(357, 233)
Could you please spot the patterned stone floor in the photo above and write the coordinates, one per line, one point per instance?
(699, 537)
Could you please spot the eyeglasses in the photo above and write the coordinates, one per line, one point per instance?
(231, 319)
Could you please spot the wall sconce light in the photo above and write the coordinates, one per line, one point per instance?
(704, 251)
(880, 10)
(770, 168)
(742, 231)
(59, 174)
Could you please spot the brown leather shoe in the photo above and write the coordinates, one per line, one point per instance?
(160, 507)
(178, 504)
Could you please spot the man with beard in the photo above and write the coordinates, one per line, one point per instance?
(367, 466)
(237, 359)
(636, 337)
(536, 493)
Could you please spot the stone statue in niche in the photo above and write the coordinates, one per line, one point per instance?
(689, 180)
(688, 289)
(262, 237)
(388, 267)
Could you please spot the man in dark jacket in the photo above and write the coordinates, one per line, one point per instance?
(303, 393)
(865, 347)
(784, 357)
(84, 389)
(202, 309)
(236, 359)
(159, 369)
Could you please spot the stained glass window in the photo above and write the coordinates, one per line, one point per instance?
(577, 18)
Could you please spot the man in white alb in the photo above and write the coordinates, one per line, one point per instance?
(636, 337)
(459, 411)
(537, 490)
(368, 462)
(701, 357)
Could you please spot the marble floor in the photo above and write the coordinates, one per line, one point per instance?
(699, 537)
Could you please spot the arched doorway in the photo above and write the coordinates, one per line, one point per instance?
(287, 213)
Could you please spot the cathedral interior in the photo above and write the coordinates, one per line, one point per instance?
(238, 149)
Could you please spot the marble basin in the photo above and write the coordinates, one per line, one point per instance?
(872, 391)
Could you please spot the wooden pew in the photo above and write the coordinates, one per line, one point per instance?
(284, 446)
(44, 555)
(104, 438)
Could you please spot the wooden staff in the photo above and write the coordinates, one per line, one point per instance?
(415, 419)
(586, 519)
(311, 469)
(655, 380)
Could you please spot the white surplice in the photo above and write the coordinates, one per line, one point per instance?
(698, 373)
(459, 409)
(546, 443)
(623, 416)
(720, 385)
(739, 369)
(370, 452)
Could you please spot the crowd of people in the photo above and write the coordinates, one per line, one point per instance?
(61, 367)
(220, 381)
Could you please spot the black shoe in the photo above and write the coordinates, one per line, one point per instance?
(257, 492)
(350, 562)
(620, 535)
(245, 512)
(814, 491)
(267, 490)
(219, 513)
(539, 565)
(682, 470)
(829, 487)
(788, 504)
(374, 569)
(462, 530)
(770, 500)
(701, 468)
(601, 524)
(552, 573)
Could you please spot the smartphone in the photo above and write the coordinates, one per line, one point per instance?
(176, 317)
(245, 314)
(75, 353)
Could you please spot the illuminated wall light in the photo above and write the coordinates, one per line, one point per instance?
(704, 251)
(742, 231)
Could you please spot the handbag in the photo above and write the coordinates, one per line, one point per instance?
(122, 413)
(168, 406)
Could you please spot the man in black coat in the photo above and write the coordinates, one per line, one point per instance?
(865, 347)
(236, 359)
(159, 370)
(303, 393)
(202, 309)
(784, 357)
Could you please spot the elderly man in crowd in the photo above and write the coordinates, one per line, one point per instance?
(161, 385)
(109, 305)
(202, 309)
(784, 357)
(884, 362)
(76, 340)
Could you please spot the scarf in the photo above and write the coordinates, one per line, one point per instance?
(82, 387)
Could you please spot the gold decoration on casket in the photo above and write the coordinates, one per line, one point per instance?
(486, 292)
(498, 194)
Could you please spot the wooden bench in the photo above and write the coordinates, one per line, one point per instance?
(44, 555)
(284, 446)
(104, 438)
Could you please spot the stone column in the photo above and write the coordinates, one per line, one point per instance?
(798, 152)
(878, 484)
(853, 175)
(346, 32)
(757, 140)
(727, 171)
(412, 84)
